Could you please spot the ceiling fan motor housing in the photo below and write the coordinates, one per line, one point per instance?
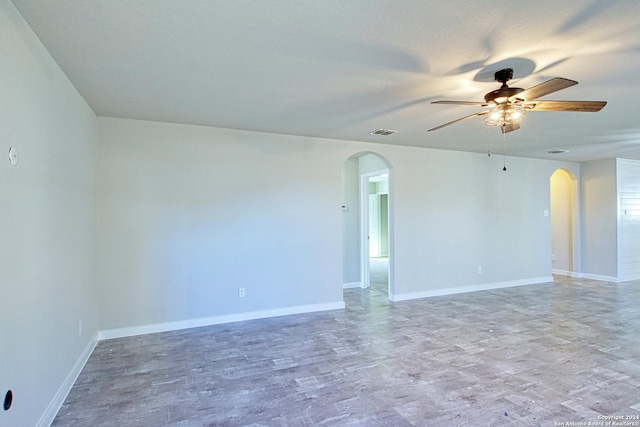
(501, 95)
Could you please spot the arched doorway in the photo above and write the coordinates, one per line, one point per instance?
(564, 228)
(367, 204)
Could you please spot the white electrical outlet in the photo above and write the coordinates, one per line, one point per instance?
(553, 257)
(479, 269)
(241, 293)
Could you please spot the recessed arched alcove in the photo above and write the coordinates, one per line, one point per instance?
(564, 226)
(367, 204)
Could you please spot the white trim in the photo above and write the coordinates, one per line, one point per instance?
(600, 277)
(364, 227)
(629, 278)
(56, 403)
(352, 285)
(562, 272)
(470, 288)
(216, 320)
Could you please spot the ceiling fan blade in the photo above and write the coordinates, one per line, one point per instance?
(581, 106)
(480, 113)
(510, 127)
(479, 104)
(543, 89)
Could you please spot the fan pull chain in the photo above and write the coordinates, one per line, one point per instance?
(489, 143)
(504, 151)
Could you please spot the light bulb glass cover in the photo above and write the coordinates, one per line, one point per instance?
(505, 114)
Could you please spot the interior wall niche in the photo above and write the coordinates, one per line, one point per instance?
(562, 205)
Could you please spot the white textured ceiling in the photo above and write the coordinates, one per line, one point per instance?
(341, 69)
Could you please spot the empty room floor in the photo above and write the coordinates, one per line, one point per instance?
(538, 355)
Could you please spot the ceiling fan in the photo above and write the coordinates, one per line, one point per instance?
(508, 105)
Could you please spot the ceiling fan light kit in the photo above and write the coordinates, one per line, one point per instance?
(508, 105)
(505, 114)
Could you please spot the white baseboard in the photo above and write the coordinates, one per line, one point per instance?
(577, 275)
(52, 410)
(351, 285)
(562, 272)
(629, 278)
(600, 277)
(469, 288)
(216, 320)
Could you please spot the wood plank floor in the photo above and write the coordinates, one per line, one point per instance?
(536, 355)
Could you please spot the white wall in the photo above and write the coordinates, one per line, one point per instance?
(182, 224)
(47, 226)
(455, 212)
(610, 212)
(370, 163)
(628, 182)
(384, 224)
(351, 223)
(599, 219)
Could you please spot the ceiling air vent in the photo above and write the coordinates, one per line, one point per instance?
(557, 151)
(383, 132)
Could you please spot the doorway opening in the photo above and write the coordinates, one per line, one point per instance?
(375, 236)
(368, 223)
(564, 223)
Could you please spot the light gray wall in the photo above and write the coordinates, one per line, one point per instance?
(384, 225)
(370, 163)
(456, 211)
(599, 218)
(351, 222)
(47, 224)
(182, 225)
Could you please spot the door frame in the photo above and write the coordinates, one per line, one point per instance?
(365, 273)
